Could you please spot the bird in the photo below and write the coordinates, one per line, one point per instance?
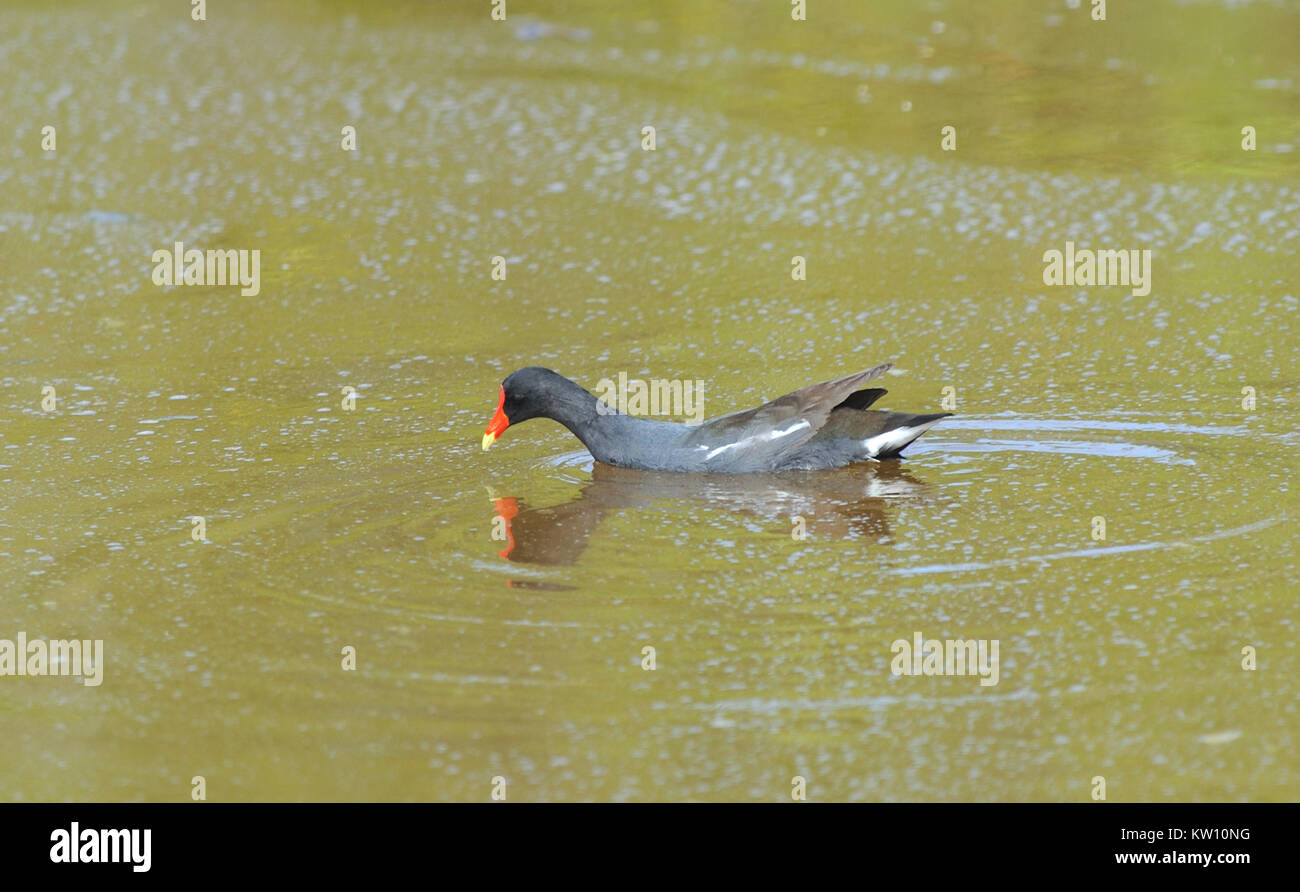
(826, 425)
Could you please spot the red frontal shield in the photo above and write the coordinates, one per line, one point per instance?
(499, 422)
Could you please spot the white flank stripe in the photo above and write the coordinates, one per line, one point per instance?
(773, 435)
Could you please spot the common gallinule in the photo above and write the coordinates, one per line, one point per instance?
(820, 426)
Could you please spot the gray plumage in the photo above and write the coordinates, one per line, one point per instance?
(824, 425)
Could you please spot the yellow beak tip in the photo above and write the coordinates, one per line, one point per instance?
(488, 440)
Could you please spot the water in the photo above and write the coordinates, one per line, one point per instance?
(374, 528)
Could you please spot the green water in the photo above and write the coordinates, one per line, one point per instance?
(373, 528)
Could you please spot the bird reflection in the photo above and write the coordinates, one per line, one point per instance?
(847, 503)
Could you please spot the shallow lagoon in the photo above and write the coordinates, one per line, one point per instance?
(373, 528)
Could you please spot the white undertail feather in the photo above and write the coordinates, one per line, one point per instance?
(892, 441)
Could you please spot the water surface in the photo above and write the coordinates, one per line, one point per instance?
(374, 528)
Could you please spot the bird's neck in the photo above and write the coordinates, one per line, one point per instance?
(591, 421)
(574, 408)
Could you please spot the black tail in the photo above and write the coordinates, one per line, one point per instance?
(862, 399)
